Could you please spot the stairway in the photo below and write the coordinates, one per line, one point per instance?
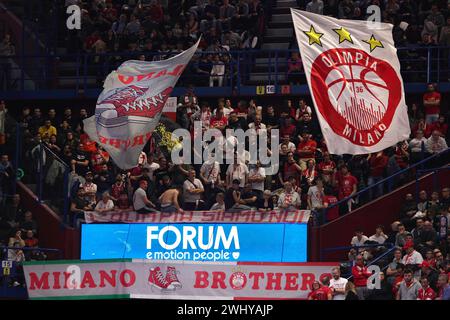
(278, 36)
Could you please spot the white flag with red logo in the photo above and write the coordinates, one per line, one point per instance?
(130, 106)
(354, 77)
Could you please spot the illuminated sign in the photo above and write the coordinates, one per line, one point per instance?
(196, 242)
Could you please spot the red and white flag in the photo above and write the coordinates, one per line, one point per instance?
(130, 106)
(354, 77)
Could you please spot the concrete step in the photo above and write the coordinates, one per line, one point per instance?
(270, 69)
(281, 10)
(282, 62)
(279, 32)
(278, 39)
(68, 69)
(286, 4)
(69, 65)
(280, 25)
(275, 46)
(264, 77)
(71, 82)
(281, 18)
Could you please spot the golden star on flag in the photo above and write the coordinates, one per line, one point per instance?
(344, 35)
(374, 43)
(314, 36)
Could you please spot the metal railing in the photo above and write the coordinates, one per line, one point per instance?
(422, 172)
(356, 248)
(386, 254)
(84, 71)
(56, 252)
(52, 171)
(401, 177)
(36, 165)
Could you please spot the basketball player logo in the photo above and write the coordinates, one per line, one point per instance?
(356, 93)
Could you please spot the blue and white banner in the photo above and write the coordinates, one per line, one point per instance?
(196, 242)
(129, 107)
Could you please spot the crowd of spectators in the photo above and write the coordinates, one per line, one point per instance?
(414, 257)
(148, 26)
(18, 228)
(308, 177)
(131, 25)
(152, 30)
(155, 30)
(415, 22)
(417, 25)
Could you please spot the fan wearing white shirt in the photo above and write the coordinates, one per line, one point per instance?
(289, 199)
(436, 143)
(412, 258)
(219, 206)
(192, 192)
(286, 140)
(358, 239)
(217, 72)
(303, 108)
(257, 125)
(337, 284)
(237, 171)
(315, 196)
(256, 177)
(379, 235)
(210, 172)
(151, 165)
(106, 204)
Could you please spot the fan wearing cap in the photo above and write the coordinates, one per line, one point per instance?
(430, 274)
(412, 259)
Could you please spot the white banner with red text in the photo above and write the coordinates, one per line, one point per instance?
(247, 216)
(131, 103)
(353, 73)
(109, 279)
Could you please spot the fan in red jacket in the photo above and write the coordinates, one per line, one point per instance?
(425, 293)
(360, 273)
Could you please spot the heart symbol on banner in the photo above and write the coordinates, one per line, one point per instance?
(235, 255)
